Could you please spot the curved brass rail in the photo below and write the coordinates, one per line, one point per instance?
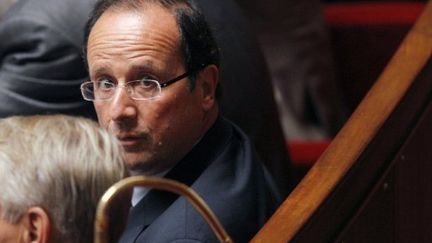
(101, 221)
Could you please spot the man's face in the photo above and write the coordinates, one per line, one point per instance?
(125, 45)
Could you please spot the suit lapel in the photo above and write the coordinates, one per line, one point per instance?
(186, 171)
(144, 213)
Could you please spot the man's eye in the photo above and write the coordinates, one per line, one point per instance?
(144, 84)
(105, 84)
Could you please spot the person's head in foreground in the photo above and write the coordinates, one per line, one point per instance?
(53, 171)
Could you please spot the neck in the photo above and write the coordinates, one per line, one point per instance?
(209, 119)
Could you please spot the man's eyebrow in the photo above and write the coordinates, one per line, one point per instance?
(142, 68)
(134, 71)
(137, 71)
(99, 71)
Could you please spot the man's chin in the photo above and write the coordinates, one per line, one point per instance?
(141, 164)
(149, 168)
(139, 168)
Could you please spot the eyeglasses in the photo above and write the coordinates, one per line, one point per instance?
(144, 89)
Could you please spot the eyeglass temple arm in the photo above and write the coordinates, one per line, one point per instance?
(102, 221)
(164, 84)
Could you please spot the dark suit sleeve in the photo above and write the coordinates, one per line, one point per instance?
(41, 68)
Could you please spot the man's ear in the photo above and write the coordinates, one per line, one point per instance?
(38, 225)
(209, 78)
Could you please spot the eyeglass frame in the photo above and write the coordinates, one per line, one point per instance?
(161, 85)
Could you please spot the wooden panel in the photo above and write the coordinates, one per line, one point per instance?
(399, 208)
(335, 188)
(354, 192)
(374, 220)
(414, 185)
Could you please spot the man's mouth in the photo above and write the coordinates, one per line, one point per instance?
(132, 142)
(127, 141)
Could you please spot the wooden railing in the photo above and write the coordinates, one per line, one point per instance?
(376, 166)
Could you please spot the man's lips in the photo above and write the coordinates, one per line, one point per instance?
(130, 141)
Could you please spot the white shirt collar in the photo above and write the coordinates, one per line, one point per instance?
(139, 192)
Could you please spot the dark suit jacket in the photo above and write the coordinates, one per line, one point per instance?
(225, 171)
(41, 65)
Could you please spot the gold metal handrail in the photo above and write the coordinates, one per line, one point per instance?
(102, 212)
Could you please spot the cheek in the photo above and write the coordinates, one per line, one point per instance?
(102, 114)
(163, 116)
(156, 116)
(182, 114)
(163, 108)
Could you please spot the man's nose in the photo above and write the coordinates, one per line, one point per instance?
(122, 105)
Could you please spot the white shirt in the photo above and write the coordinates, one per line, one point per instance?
(139, 192)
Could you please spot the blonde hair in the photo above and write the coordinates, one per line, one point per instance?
(61, 163)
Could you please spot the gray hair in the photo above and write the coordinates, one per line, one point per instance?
(61, 163)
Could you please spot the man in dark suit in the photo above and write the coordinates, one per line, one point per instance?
(154, 67)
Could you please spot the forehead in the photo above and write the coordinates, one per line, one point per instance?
(144, 21)
(149, 28)
(147, 13)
